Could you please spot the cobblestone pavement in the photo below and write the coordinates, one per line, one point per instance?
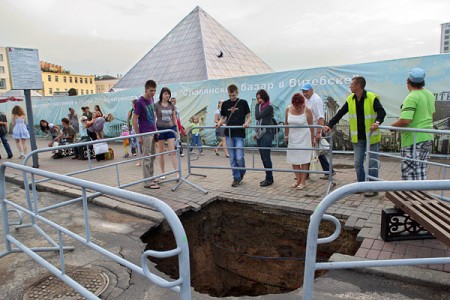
(356, 211)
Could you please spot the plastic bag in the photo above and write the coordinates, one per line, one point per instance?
(100, 148)
(314, 164)
(324, 146)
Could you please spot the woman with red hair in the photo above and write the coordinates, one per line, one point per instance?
(298, 114)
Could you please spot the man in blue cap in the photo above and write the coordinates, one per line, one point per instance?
(416, 112)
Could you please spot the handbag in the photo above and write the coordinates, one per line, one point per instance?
(100, 148)
(324, 146)
(110, 154)
(314, 164)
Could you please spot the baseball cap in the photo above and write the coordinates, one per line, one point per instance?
(307, 87)
(416, 75)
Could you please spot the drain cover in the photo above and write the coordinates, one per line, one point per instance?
(51, 287)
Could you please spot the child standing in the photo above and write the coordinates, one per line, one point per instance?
(126, 142)
(196, 138)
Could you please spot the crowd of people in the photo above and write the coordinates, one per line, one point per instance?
(364, 109)
(366, 114)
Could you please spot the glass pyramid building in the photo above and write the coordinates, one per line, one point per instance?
(198, 48)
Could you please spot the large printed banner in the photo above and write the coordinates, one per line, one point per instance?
(386, 78)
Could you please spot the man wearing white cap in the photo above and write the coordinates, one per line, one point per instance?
(315, 104)
(416, 112)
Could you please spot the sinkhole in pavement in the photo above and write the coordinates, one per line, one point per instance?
(240, 249)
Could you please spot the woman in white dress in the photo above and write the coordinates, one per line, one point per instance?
(298, 114)
(20, 130)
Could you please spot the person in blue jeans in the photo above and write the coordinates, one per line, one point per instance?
(3, 133)
(236, 112)
(365, 114)
(264, 136)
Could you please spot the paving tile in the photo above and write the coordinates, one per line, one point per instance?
(378, 245)
(397, 256)
(367, 243)
(400, 248)
(412, 251)
(437, 252)
(362, 252)
(424, 252)
(373, 254)
(388, 246)
(385, 255)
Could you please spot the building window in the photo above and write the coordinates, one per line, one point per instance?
(57, 89)
(446, 43)
(56, 78)
(49, 77)
(76, 79)
(85, 80)
(70, 79)
(446, 48)
(2, 70)
(90, 80)
(50, 91)
(2, 83)
(65, 79)
(92, 91)
(1, 57)
(82, 92)
(447, 31)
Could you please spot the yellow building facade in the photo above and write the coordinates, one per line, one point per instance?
(57, 81)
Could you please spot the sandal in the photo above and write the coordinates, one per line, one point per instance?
(153, 186)
(300, 187)
(294, 184)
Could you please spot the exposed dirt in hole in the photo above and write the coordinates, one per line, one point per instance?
(239, 249)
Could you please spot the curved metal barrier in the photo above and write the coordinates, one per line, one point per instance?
(193, 157)
(319, 213)
(181, 285)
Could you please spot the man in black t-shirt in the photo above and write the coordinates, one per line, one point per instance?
(235, 112)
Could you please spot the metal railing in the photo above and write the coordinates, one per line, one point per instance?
(319, 214)
(181, 285)
(414, 131)
(117, 164)
(253, 149)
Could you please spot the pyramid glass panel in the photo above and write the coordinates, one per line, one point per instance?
(198, 48)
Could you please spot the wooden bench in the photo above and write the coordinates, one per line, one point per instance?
(417, 215)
